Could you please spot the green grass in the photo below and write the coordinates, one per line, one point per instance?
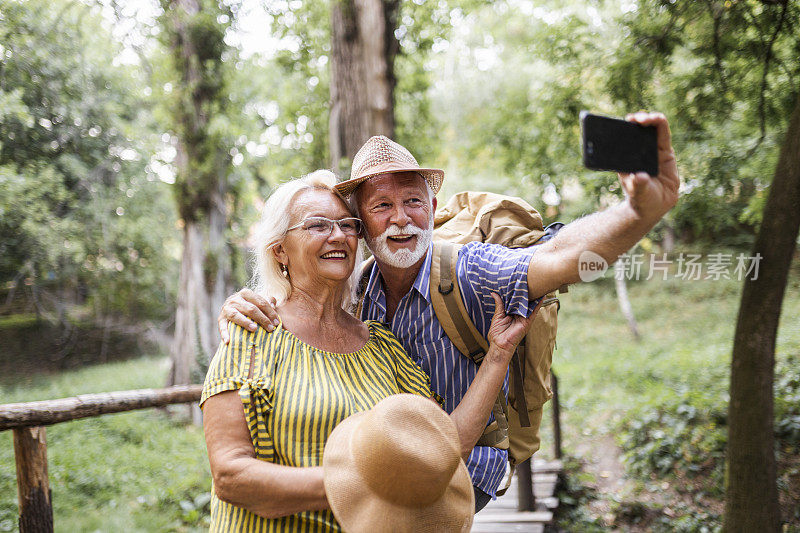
(687, 337)
(142, 373)
(670, 385)
(135, 471)
(17, 321)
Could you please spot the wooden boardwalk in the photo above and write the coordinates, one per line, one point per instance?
(501, 515)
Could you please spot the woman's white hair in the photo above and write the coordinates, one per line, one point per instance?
(268, 279)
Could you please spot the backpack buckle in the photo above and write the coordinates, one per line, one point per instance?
(447, 290)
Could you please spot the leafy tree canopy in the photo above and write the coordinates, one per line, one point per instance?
(80, 209)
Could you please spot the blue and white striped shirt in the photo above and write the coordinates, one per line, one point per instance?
(481, 269)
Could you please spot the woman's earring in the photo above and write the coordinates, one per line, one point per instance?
(285, 270)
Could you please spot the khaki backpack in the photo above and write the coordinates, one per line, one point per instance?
(511, 222)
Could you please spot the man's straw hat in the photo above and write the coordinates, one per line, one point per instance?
(397, 467)
(381, 155)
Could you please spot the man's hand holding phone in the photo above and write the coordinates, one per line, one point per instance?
(611, 146)
(651, 197)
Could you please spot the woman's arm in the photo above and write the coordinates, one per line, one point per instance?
(471, 414)
(264, 488)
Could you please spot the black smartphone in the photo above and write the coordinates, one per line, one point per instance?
(618, 145)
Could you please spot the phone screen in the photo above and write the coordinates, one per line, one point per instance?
(618, 145)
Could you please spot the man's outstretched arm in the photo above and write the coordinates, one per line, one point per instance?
(612, 232)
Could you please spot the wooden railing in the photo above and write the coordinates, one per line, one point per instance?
(28, 421)
(526, 501)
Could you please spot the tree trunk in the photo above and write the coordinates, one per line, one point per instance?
(219, 260)
(363, 47)
(623, 300)
(201, 181)
(192, 319)
(669, 238)
(751, 501)
(33, 483)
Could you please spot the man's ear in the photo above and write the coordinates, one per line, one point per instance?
(356, 202)
(433, 202)
(280, 254)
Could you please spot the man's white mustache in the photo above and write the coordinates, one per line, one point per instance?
(408, 229)
(404, 257)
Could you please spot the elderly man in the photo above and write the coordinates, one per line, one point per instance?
(395, 199)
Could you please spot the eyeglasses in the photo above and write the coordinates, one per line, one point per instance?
(322, 227)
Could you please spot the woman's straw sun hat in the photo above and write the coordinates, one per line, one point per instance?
(381, 155)
(397, 467)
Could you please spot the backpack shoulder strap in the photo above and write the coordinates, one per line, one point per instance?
(458, 326)
(448, 305)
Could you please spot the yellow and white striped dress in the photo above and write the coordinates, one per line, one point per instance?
(294, 395)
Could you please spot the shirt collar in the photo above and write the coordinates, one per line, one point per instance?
(422, 284)
(374, 289)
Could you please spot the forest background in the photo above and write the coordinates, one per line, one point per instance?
(102, 178)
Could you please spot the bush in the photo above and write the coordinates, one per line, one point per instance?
(685, 439)
(678, 438)
(787, 401)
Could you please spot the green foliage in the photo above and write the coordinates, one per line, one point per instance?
(683, 439)
(664, 399)
(723, 72)
(422, 26)
(679, 437)
(197, 105)
(293, 91)
(787, 401)
(302, 88)
(489, 90)
(17, 321)
(77, 204)
(575, 493)
(509, 87)
(507, 91)
(136, 471)
(693, 521)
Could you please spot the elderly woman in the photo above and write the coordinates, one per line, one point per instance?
(271, 400)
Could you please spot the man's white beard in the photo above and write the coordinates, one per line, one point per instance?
(403, 258)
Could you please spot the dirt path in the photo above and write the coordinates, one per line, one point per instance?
(603, 460)
(610, 472)
(617, 500)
